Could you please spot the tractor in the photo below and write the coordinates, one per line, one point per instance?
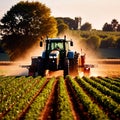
(58, 56)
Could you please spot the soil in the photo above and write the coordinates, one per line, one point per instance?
(105, 70)
(103, 67)
(49, 112)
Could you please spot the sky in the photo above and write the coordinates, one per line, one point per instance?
(96, 12)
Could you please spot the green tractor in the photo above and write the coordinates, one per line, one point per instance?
(58, 56)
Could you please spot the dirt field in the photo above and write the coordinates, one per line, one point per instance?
(12, 69)
(106, 70)
(107, 67)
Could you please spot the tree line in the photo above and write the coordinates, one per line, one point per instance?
(100, 39)
(73, 24)
(113, 26)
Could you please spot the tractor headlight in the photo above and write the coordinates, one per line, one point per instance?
(54, 54)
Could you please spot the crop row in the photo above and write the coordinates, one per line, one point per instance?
(104, 90)
(39, 103)
(107, 84)
(16, 94)
(12, 107)
(111, 80)
(31, 98)
(95, 112)
(106, 101)
(64, 109)
(10, 89)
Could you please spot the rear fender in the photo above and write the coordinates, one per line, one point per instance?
(70, 55)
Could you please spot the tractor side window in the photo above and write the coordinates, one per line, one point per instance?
(48, 46)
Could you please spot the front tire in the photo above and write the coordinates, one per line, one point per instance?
(73, 66)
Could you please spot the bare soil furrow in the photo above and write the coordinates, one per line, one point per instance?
(22, 114)
(49, 112)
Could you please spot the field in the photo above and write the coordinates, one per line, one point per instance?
(54, 98)
(94, 98)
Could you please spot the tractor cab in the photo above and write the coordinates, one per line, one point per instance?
(56, 53)
(53, 46)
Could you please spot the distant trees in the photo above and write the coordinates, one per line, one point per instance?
(23, 25)
(118, 43)
(62, 26)
(108, 38)
(93, 41)
(86, 27)
(73, 24)
(114, 26)
(104, 39)
(108, 42)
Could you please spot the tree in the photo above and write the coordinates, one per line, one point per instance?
(86, 27)
(62, 27)
(114, 26)
(23, 25)
(118, 43)
(107, 27)
(118, 28)
(108, 42)
(93, 41)
(73, 24)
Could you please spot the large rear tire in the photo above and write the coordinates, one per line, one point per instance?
(31, 71)
(41, 68)
(73, 67)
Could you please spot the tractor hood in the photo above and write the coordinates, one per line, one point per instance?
(54, 54)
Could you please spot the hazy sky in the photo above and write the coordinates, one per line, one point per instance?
(96, 12)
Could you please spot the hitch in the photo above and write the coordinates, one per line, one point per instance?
(25, 66)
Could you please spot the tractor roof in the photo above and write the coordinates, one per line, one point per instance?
(57, 40)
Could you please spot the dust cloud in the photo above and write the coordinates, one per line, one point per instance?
(80, 46)
(8, 68)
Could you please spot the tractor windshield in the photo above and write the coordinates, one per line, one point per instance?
(57, 46)
(60, 45)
